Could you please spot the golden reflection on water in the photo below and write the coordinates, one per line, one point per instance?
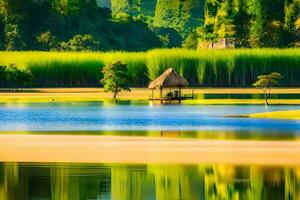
(92, 181)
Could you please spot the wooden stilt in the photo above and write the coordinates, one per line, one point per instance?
(152, 94)
(179, 101)
(161, 95)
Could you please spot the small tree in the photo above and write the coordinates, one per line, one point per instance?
(13, 39)
(115, 78)
(266, 82)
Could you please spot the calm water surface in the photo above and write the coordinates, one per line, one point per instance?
(102, 116)
(51, 181)
(71, 181)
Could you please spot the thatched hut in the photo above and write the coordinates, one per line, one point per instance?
(169, 79)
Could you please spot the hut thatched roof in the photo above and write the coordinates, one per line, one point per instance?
(169, 79)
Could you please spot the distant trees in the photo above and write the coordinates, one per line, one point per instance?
(191, 41)
(47, 41)
(139, 25)
(266, 82)
(13, 40)
(30, 25)
(84, 42)
(13, 77)
(252, 23)
(81, 43)
(115, 78)
(182, 16)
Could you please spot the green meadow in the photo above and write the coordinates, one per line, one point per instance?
(208, 68)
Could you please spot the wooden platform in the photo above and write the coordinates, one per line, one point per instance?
(171, 99)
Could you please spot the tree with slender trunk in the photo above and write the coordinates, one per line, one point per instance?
(266, 82)
(115, 78)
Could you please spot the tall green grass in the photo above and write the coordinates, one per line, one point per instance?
(211, 68)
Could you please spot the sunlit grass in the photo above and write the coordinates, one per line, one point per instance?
(212, 68)
(287, 114)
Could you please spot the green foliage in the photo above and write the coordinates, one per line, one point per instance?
(2, 75)
(182, 16)
(266, 82)
(15, 77)
(24, 21)
(292, 16)
(80, 43)
(47, 41)
(115, 78)
(122, 17)
(191, 41)
(140, 25)
(266, 23)
(13, 39)
(121, 6)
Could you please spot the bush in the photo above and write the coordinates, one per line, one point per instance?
(17, 78)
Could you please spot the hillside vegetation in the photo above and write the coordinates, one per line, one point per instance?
(218, 68)
(140, 25)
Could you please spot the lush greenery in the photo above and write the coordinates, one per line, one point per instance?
(217, 68)
(13, 77)
(138, 25)
(252, 23)
(115, 78)
(266, 82)
(69, 25)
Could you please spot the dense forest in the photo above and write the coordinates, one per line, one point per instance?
(138, 25)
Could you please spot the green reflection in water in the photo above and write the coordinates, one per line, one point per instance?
(144, 182)
(199, 134)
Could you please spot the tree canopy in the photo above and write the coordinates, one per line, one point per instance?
(266, 82)
(139, 25)
(115, 78)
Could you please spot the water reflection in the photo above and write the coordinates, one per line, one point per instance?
(117, 182)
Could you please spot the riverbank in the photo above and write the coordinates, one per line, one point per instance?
(287, 114)
(140, 94)
(141, 150)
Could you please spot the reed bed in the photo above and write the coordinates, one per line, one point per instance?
(209, 68)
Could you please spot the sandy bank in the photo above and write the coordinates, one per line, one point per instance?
(125, 149)
(97, 94)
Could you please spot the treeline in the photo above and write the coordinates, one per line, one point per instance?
(140, 25)
(69, 25)
(251, 23)
(223, 68)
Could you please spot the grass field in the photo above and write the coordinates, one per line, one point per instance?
(209, 68)
(290, 114)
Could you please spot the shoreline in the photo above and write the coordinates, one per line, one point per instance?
(140, 150)
(142, 94)
(284, 115)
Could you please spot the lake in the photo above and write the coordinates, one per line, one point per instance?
(214, 179)
(133, 116)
